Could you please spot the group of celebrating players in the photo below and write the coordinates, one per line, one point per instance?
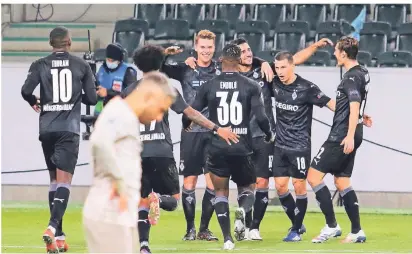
(229, 132)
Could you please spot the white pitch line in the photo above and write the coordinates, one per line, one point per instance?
(219, 249)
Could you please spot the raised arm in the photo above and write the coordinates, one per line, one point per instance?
(303, 55)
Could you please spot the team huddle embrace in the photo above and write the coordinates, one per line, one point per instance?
(229, 133)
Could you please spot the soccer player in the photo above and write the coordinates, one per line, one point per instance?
(159, 167)
(337, 154)
(262, 152)
(231, 98)
(110, 211)
(194, 142)
(62, 77)
(294, 100)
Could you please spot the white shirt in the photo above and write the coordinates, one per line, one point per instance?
(116, 149)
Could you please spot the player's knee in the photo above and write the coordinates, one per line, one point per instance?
(342, 183)
(282, 187)
(314, 177)
(300, 186)
(189, 183)
(262, 183)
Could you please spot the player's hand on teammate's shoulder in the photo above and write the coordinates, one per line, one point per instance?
(173, 50)
(102, 92)
(191, 62)
(267, 72)
(348, 144)
(271, 138)
(323, 43)
(367, 120)
(227, 134)
(115, 193)
(37, 106)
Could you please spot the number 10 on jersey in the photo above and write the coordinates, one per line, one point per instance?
(229, 112)
(62, 85)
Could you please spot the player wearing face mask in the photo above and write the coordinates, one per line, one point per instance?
(113, 76)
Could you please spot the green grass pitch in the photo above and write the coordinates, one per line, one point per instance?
(387, 232)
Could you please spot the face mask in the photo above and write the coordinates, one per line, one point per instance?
(112, 65)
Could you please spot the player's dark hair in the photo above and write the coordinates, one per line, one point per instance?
(239, 41)
(231, 52)
(149, 58)
(59, 37)
(280, 56)
(349, 45)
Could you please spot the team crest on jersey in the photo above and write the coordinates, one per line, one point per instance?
(294, 95)
(217, 72)
(255, 75)
(261, 83)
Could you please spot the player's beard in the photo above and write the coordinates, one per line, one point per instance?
(244, 64)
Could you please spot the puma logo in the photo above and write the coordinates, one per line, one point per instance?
(222, 214)
(59, 199)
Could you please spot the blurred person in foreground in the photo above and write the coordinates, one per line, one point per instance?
(110, 210)
(160, 178)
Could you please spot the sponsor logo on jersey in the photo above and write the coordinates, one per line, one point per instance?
(64, 107)
(286, 106)
(197, 83)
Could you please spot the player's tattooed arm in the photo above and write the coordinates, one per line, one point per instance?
(198, 118)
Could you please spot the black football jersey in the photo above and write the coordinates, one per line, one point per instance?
(191, 81)
(353, 88)
(294, 109)
(231, 98)
(267, 94)
(62, 78)
(156, 137)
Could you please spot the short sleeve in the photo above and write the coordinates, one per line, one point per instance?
(317, 97)
(351, 87)
(179, 105)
